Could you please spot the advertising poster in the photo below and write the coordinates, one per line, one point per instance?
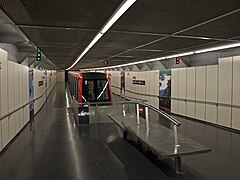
(31, 93)
(165, 89)
(122, 83)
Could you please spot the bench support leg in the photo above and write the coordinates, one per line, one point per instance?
(178, 165)
(125, 134)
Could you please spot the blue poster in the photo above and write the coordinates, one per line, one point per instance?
(31, 90)
(165, 89)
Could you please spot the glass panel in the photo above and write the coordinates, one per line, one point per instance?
(102, 89)
(88, 91)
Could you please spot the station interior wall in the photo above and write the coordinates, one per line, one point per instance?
(14, 91)
(208, 93)
(148, 92)
(60, 76)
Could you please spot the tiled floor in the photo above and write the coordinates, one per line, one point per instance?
(55, 148)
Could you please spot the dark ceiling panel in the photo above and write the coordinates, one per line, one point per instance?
(171, 44)
(98, 51)
(123, 40)
(226, 27)
(97, 54)
(60, 51)
(59, 37)
(139, 53)
(63, 46)
(170, 16)
(71, 13)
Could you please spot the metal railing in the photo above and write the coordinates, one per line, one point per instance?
(171, 119)
(26, 104)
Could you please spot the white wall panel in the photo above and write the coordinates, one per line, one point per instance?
(4, 86)
(182, 87)
(212, 83)
(26, 93)
(16, 98)
(211, 113)
(224, 116)
(225, 80)
(200, 111)
(147, 84)
(174, 106)
(174, 83)
(60, 76)
(236, 118)
(191, 84)
(5, 132)
(182, 107)
(201, 83)
(190, 112)
(11, 105)
(236, 81)
(156, 82)
(156, 102)
(20, 95)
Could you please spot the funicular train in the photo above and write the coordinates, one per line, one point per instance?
(91, 87)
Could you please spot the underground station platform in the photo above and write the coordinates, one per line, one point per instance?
(117, 144)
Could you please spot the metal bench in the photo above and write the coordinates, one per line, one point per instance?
(163, 141)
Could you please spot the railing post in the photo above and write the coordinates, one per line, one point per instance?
(138, 119)
(124, 112)
(147, 117)
(175, 135)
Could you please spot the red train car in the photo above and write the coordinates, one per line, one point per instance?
(90, 86)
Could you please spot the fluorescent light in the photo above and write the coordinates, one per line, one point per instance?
(117, 14)
(156, 59)
(175, 55)
(127, 4)
(218, 48)
(180, 55)
(97, 37)
(83, 53)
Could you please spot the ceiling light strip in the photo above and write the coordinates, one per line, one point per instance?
(218, 48)
(172, 56)
(116, 15)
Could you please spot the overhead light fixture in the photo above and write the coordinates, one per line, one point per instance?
(97, 37)
(218, 48)
(175, 55)
(179, 55)
(116, 15)
(156, 59)
(83, 53)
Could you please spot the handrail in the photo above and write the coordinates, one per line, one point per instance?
(107, 102)
(172, 119)
(151, 95)
(12, 112)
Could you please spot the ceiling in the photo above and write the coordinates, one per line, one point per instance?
(150, 28)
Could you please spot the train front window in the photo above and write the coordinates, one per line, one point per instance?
(102, 90)
(89, 91)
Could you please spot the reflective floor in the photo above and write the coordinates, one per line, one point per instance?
(53, 147)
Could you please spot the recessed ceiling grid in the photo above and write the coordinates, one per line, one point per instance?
(129, 23)
(60, 22)
(149, 28)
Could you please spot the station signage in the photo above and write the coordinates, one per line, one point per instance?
(40, 83)
(138, 82)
